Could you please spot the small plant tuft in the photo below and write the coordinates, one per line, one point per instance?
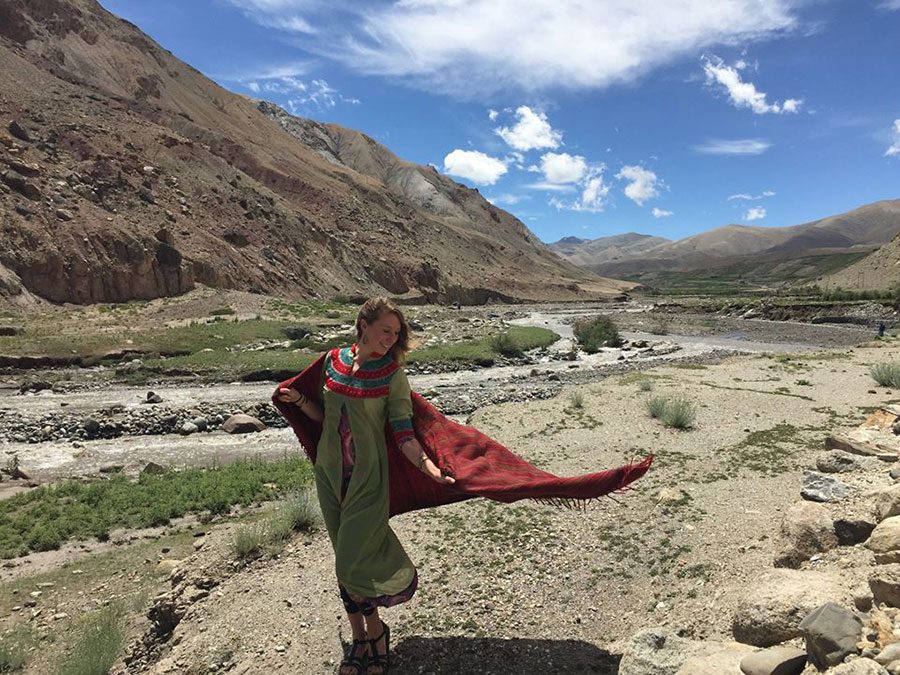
(96, 645)
(677, 411)
(592, 334)
(247, 541)
(886, 374)
(576, 399)
(646, 384)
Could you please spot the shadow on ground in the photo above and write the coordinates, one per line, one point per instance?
(492, 656)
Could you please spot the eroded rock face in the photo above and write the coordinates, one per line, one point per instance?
(658, 651)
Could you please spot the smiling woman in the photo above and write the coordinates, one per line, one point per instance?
(380, 449)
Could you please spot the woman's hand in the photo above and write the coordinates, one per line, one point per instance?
(435, 473)
(289, 395)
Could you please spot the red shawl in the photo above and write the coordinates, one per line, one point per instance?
(481, 466)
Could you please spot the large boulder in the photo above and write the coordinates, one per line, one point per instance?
(818, 487)
(806, 529)
(242, 424)
(774, 661)
(831, 633)
(773, 607)
(658, 651)
(884, 582)
(859, 667)
(885, 540)
(887, 502)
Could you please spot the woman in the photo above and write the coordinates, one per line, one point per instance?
(363, 387)
(354, 414)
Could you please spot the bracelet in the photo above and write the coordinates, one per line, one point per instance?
(300, 401)
(422, 459)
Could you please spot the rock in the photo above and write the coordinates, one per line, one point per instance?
(112, 468)
(64, 214)
(726, 660)
(806, 529)
(90, 426)
(188, 428)
(153, 397)
(895, 427)
(201, 423)
(895, 473)
(658, 651)
(166, 565)
(146, 195)
(775, 661)
(885, 540)
(837, 461)
(887, 502)
(20, 473)
(19, 131)
(884, 582)
(859, 667)
(668, 495)
(852, 531)
(774, 605)
(889, 654)
(242, 424)
(19, 183)
(850, 445)
(862, 597)
(818, 487)
(154, 469)
(831, 633)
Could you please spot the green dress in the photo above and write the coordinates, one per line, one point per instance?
(370, 562)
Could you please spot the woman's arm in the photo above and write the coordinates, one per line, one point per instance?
(415, 454)
(312, 409)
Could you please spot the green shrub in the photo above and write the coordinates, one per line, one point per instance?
(97, 643)
(646, 384)
(247, 540)
(301, 511)
(656, 406)
(222, 311)
(592, 334)
(886, 374)
(576, 399)
(506, 345)
(677, 412)
(14, 649)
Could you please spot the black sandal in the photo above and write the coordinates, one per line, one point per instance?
(377, 660)
(355, 660)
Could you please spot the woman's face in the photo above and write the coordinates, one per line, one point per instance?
(382, 333)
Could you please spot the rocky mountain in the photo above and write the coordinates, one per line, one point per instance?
(866, 227)
(880, 270)
(128, 174)
(587, 252)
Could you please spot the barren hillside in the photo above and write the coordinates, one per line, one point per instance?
(127, 174)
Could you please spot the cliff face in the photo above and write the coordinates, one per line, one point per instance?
(127, 174)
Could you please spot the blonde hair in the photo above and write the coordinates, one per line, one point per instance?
(372, 310)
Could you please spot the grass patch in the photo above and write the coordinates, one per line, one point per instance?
(505, 345)
(576, 399)
(223, 311)
(484, 349)
(299, 511)
(98, 640)
(14, 646)
(769, 451)
(673, 411)
(886, 374)
(592, 334)
(45, 518)
(645, 384)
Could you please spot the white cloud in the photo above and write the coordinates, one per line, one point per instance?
(744, 94)
(642, 184)
(744, 195)
(894, 149)
(474, 166)
(890, 5)
(492, 114)
(253, 86)
(551, 187)
(756, 213)
(506, 199)
(748, 146)
(532, 131)
(562, 167)
(660, 213)
(593, 198)
(470, 47)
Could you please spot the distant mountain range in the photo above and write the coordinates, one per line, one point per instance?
(633, 256)
(125, 173)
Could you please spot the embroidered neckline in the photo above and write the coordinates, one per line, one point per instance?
(374, 362)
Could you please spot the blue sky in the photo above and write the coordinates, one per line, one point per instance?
(584, 118)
